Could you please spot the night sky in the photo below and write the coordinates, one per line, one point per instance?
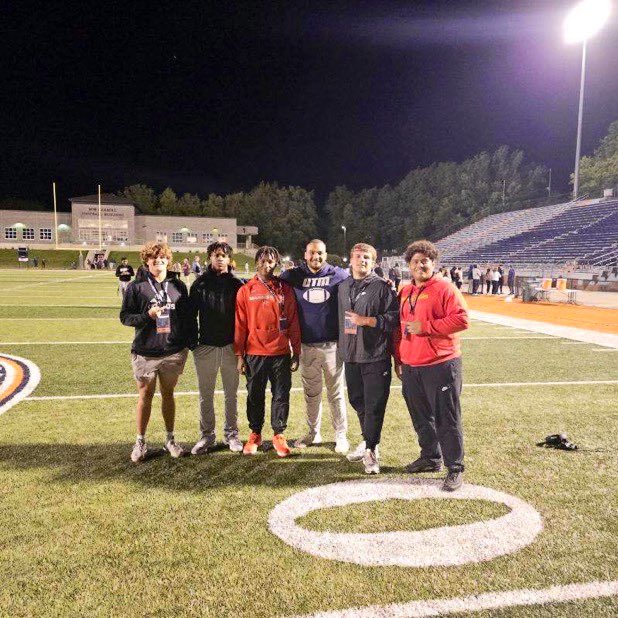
(216, 96)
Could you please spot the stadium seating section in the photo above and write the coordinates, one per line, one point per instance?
(585, 233)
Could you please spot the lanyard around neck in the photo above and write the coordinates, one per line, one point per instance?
(162, 295)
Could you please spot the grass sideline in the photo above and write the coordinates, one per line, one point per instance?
(84, 532)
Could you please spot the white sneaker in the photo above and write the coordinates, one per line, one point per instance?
(139, 451)
(174, 449)
(308, 439)
(204, 444)
(233, 442)
(342, 445)
(358, 453)
(370, 461)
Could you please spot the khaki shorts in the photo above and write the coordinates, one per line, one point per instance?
(145, 368)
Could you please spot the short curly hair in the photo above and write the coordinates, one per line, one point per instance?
(155, 249)
(425, 247)
(219, 246)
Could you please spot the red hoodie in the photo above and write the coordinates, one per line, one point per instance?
(258, 309)
(442, 311)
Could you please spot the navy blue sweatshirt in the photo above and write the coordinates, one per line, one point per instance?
(316, 295)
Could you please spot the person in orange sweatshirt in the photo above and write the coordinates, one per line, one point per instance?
(267, 344)
(428, 362)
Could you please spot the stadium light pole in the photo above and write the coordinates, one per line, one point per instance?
(582, 23)
(345, 229)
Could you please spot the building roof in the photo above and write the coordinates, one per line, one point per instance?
(106, 198)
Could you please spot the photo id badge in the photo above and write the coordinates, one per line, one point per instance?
(349, 327)
(283, 324)
(164, 323)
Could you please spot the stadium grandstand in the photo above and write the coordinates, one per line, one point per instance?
(583, 233)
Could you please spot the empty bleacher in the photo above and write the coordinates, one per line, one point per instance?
(586, 233)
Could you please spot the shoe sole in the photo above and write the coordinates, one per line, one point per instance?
(423, 470)
(282, 453)
(372, 472)
(451, 489)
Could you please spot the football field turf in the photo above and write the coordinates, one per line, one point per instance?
(84, 532)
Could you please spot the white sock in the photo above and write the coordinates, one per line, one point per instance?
(141, 437)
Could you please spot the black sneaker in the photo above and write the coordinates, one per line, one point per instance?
(453, 480)
(423, 465)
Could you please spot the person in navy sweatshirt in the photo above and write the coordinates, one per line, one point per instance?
(315, 284)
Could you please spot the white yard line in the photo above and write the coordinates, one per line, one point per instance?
(574, 343)
(606, 350)
(73, 319)
(514, 337)
(66, 342)
(52, 281)
(300, 390)
(606, 340)
(475, 603)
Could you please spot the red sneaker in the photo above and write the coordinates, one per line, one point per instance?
(280, 445)
(251, 445)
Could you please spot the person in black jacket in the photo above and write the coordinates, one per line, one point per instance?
(157, 308)
(212, 309)
(368, 313)
(125, 273)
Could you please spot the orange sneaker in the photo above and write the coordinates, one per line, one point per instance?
(280, 445)
(251, 445)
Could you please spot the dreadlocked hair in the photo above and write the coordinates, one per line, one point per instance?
(267, 251)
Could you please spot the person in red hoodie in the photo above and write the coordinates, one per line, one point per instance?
(428, 362)
(267, 344)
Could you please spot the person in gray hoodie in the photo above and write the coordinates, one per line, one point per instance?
(368, 314)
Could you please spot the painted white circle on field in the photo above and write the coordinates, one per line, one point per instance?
(444, 546)
(18, 378)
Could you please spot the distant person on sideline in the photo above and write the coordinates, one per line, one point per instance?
(428, 362)
(212, 304)
(157, 308)
(367, 317)
(125, 273)
(267, 346)
(315, 284)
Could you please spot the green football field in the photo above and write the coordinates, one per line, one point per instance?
(84, 532)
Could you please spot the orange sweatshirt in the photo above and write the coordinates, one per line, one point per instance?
(442, 311)
(259, 307)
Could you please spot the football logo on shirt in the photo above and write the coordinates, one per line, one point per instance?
(18, 378)
(316, 294)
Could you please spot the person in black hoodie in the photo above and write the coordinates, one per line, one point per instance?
(368, 313)
(212, 306)
(157, 308)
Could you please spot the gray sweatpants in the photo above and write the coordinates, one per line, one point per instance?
(208, 360)
(317, 359)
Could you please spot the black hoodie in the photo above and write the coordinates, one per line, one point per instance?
(213, 299)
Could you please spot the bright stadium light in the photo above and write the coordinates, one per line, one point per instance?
(582, 23)
(585, 20)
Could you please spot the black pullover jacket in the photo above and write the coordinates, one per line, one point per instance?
(212, 308)
(137, 301)
(373, 297)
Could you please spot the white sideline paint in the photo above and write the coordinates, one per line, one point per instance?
(606, 340)
(606, 350)
(300, 390)
(514, 337)
(444, 546)
(476, 603)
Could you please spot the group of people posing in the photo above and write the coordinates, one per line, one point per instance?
(338, 327)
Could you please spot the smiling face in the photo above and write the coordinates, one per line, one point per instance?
(157, 265)
(421, 267)
(266, 266)
(219, 261)
(362, 263)
(315, 256)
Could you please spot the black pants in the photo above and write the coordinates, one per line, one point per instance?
(494, 287)
(368, 390)
(489, 286)
(432, 396)
(261, 369)
(475, 286)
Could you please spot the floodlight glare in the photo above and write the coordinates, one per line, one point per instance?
(586, 19)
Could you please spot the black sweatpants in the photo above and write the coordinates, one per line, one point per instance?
(261, 369)
(368, 390)
(432, 395)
